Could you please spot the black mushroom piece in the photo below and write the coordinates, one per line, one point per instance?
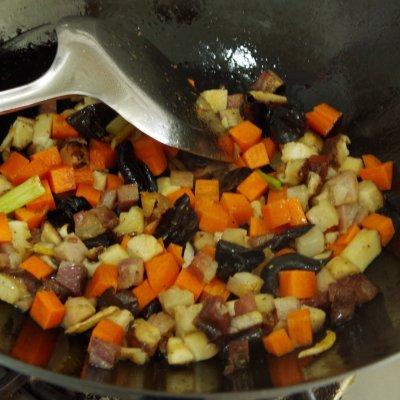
(233, 178)
(252, 335)
(192, 161)
(233, 258)
(123, 299)
(256, 112)
(287, 124)
(66, 208)
(270, 274)
(152, 308)
(91, 121)
(133, 170)
(280, 240)
(179, 224)
(105, 239)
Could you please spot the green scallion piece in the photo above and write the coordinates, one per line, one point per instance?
(21, 195)
(273, 183)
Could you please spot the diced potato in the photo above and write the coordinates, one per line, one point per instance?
(163, 322)
(50, 234)
(244, 282)
(369, 196)
(296, 151)
(174, 297)
(330, 237)
(146, 334)
(122, 318)
(323, 215)
(299, 192)
(41, 138)
(339, 268)
(257, 209)
(324, 195)
(317, 317)
(235, 235)
(202, 239)
(313, 182)
(188, 255)
(285, 305)
(201, 348)
(144, 246)
(230, 117)
(182, 178)
(91, 266)
(267, 98)
(165, 187)
(77, 309)
(184, 318)
(265, 303)
(230, 305)
(312, 140)
(324, 279)
(11, 289)
(20, 235)
(99, 180)
(245, 321)
(362, 250)
(113, 255)
(351, 164)
(216, 98)
(331, 172)
(311, 243)
(134, 354)
(293, 174)
(130, 222)
(342, 151)
(178, 353)
(324, 255)
(22, 132)
(116, 125)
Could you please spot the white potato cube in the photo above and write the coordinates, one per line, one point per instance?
(244, 282)
(339, 268)
(144, 246)
(323, 215)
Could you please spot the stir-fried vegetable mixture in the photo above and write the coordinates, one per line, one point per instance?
(154, 252)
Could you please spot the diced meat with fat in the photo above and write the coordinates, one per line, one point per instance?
(238, 356)
(108, 199)
(127, 196)
(206, 265)
(102, 354)
(52, 285)
(71, 249)
(319, 165)
(268, 81)
(75, 154)
(106, 216)
(72, 276)
(48, 107)
(344, 188)
(245, 304)
(347, 215)
(214, 319)
(130, 272)
(319, 300)
(123, 299)
(235, 100)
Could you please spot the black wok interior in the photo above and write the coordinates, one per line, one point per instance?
(341, 52)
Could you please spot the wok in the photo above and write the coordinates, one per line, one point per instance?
(345, 53)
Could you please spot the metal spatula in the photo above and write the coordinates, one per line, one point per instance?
(103, 59)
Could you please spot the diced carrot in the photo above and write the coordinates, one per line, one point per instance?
(125, 240)
(216, 288)
(38, 268)
(13, 167)
(226, 144)
(257, 227)
(180, 192)
(278, 343)
(276, 214)
(105, 276)
(297, 216)
(34, 346)
(285, 371)
(256, 156)
(177, 252)
(144, 294)
(348, 236)
(381, 223)
(162, 271)
(171, 151)
(101, 155)
(49, 157)
(271, 147)
(62, 179)
(187, 280)
(210, 250)
(300, 284)
(237, 206)
(150, 228)
(370, 161)
(277, 195)
(381, 175)
(5, 231)
(253, 186)
(202, 204)
(83, 175)
(208, 188)
(323, 118)
(113, 182)
(151, 153)
(245, 134)
(33, 218)
(336, 248)
(45, 201)
(285, 250)
(61, 129)
(91, 194)
(299, 327)
(214, 218)
(328, 111)
(109, 331)
(47, 310)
